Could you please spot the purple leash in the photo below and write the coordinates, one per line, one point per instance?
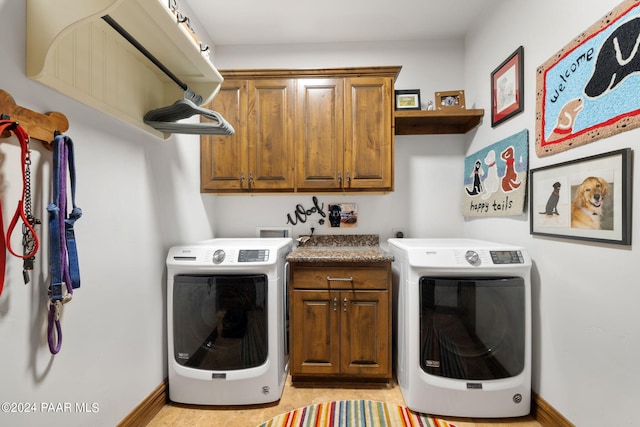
(58, 243)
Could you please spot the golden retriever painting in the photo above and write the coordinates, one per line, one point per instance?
(586, 207)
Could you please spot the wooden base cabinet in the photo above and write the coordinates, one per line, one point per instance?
(340, 321)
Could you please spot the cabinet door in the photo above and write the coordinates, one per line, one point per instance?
(315, 332)
(270, 134)
(366, 337)
(368, 133)
(223, 159)
(319, 133)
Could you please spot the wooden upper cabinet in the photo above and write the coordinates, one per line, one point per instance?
(270, 134)
(302, 130)
(319, 133)
(369, 133)
(260, 156)
(224, 158)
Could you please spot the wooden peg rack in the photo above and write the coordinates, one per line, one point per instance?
(39, 126)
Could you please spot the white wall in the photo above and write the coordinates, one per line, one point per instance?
(426, 167)
(139, 195)
(586, 336)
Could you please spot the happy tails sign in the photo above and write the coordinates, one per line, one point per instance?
(589, 89)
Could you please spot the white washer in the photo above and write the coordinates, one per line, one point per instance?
(227, 320)
(463, 319)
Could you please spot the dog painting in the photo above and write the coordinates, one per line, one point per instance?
(588, 90)
(566, 120)
(477, 179)
(551, 208)
(492, 181)
(510, 179)
(495, 178)
(587, 204)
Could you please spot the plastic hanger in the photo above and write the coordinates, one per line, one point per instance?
(165, 119)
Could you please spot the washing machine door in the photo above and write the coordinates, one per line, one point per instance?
(220, 321)
(472, 328)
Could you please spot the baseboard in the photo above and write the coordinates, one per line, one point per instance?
(148, 408)
(546, 414)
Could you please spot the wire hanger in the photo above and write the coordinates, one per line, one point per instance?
(39, 126)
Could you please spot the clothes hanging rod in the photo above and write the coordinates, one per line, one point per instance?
(120, 30)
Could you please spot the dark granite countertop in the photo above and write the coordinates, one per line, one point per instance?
(340, 248)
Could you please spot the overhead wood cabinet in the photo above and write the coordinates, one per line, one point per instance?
(260, 156)
(303, 130)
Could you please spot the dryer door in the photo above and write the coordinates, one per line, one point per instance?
(472, 328)
(220, 321)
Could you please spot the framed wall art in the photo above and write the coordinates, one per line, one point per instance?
(495, 178)
(408, 99)
(586, 199)
(343, 215)
(507, 88)
(450, 99)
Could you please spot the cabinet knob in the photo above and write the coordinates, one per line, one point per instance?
(340, 178)
(241, 179)
(348, 179)
(335, 304)
(344, 305)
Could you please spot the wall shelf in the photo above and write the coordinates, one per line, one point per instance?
(70, 48)
(421, 122)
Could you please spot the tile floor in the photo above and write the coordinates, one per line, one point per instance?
(295, 396)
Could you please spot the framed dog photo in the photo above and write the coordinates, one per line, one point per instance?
(343, 215)
(585, 199)
(408, 99)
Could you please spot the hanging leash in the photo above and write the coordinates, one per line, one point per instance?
(30, 242)
(65, 272)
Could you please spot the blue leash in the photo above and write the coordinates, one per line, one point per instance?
(64, 266)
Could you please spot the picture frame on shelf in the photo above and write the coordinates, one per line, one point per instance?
(507, 88)
(584, 199)
(453, 99)
(407, 99)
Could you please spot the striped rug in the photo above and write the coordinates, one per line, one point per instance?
(354, 413)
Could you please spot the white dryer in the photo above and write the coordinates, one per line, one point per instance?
(463, 326)
(227, 321)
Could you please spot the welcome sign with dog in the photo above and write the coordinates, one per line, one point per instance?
(587, 199)
(589, 90)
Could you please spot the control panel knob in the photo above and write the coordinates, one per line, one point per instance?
(218, 256)
(472, 257)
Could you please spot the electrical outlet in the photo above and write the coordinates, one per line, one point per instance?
(398, 232)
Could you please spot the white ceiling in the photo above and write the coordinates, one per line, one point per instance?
(234, 22)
